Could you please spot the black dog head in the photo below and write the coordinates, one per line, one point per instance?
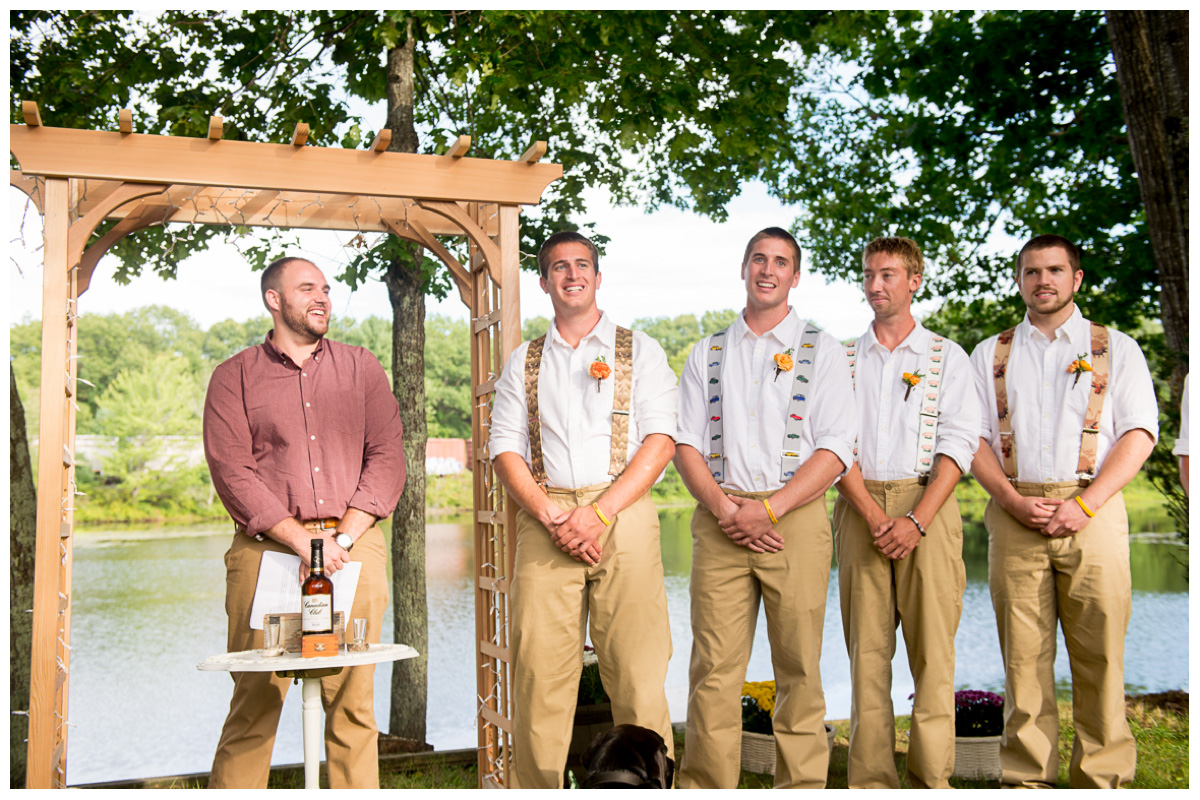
(628, 757)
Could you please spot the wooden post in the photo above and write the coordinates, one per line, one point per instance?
(46, 767)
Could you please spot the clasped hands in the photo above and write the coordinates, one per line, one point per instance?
(746, 523)
(895, 537)
(1050, 515)
(576, 532)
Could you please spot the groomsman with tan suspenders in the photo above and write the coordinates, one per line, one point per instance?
(1069, 416)
(582, 425)
(899, 533)
(766, 424)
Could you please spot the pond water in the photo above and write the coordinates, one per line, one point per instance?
(149, 606)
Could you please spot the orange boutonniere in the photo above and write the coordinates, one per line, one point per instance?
(1078, 367)
(910, 379)
(783, 362)
(599, 370)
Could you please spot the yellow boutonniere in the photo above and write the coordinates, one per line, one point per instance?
(910, 379)
(599, 370)
(1078, 367)
(783, 362)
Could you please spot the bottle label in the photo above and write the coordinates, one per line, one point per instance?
(317, 613)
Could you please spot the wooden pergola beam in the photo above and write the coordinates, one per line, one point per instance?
(137, 157)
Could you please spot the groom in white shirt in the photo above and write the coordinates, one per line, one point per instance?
(766, 423)
(899, 532)
(582, 425)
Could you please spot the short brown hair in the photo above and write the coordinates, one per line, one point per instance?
(273, 274)
(902, 248)
(773, 233)
(1046, 241)
(563, 237)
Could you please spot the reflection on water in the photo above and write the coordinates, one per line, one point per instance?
(149, 607)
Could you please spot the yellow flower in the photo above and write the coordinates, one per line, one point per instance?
(1078, 367)
(783, 362)
(910, 380)
(762, 693)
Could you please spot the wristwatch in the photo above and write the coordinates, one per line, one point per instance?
(344, 540)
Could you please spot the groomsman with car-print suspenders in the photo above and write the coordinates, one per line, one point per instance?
(582, 425)
(1069, 416)
(766, 423)
(899, 533)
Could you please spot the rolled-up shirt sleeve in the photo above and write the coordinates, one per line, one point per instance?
(985, 389)
(959, 420)
(693, 410)
(383, 469)
(229, 451)
(834, 410)
(654, 390)
(1132, 395)
(509, 423)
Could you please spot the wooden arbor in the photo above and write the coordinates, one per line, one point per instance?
(79, 178)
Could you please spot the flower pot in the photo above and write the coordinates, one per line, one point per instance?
(758, 751)
(590, 721)
(977, 757)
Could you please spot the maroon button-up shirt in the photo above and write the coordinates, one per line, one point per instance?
(302, 441)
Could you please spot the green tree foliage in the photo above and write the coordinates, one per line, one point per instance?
(951, 126)
(447, 377)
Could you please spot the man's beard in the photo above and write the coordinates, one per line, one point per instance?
(298, 321)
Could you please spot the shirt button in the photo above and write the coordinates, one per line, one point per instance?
(303, 374)
(757, 479)
(321, 502)
(307, 405)
(756, 382)
(316, 469)
(752, 413)
(753, 447)
(312, 437)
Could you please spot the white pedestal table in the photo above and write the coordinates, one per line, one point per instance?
(309, 671)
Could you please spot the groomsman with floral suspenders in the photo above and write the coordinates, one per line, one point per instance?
(899, 533)
(582, 425)
(1069, 416)
(766, 423)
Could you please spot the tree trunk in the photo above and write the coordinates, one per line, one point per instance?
(1150, 49)
(22, 520)
(405, 283)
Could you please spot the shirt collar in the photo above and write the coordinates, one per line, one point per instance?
(277, 354)
(605, 332)
(1075, 329)
(786, 332)
(917, 340)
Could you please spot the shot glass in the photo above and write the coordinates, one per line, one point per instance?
(271, 638)
(359, 643)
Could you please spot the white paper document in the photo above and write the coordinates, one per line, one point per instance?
(278, 590)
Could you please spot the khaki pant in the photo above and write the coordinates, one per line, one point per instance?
(923, 592)
(243, 758)
(553, 598)
(728, 581)
(1082, 580)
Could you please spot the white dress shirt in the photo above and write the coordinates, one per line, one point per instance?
(888, 424)
(1047, 412)
(755, 403)
(1181, 444)
(576, 418)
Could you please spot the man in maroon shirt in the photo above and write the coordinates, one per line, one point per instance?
(303, 440)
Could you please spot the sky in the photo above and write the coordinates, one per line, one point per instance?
(665, 263)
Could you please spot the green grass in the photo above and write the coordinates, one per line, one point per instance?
(1162, 744)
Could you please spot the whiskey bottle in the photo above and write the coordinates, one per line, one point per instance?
(316, 595)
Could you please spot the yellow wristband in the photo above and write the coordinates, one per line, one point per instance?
(770, 513)
(1086, 510)
(600, 514)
